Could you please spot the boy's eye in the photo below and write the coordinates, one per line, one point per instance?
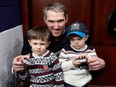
(42, 43)
(35, 43)
(79, 39)
(71, 39)
(75, 39)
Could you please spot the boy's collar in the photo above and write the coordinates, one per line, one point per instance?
(82, 49)
(36, 56)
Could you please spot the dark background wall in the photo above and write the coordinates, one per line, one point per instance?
(10, 14)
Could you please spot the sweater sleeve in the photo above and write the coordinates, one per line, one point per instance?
(23, 75)
(58, 74)
(66, 64)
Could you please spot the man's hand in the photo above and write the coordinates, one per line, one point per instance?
(95, 63)
(17, 63)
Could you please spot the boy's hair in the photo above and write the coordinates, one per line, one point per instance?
(39, 32)
(56, 7)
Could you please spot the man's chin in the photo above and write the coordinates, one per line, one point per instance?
(56, 35)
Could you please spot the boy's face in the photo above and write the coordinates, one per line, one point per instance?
(39, 47)
(56, 22)
(77, 42)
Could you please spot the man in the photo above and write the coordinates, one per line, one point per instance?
(55, 17)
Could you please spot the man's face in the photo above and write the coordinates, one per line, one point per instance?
(56, 22)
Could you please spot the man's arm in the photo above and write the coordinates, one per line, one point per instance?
(97, 73)
(96, 66)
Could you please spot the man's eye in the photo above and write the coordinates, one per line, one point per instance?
(60, 21)
(51, 21)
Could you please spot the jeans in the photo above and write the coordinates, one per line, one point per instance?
(68, 85)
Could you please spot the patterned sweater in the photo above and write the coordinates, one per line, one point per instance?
(76, 76)
(44, 71)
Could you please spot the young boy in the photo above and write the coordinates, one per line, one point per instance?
(42, 66)
(81, 52)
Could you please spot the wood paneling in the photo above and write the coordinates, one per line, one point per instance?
(102, 40)
(74, 9)
(101, 11)
(33, 11)
(108, 78)
(25, 17)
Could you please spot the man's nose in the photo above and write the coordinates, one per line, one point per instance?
(55, 25)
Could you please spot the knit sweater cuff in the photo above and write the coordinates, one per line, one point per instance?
(67, 65)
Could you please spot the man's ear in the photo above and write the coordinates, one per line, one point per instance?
(44, 19)
(66, 18)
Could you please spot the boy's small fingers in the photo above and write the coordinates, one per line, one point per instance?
(26, 56)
